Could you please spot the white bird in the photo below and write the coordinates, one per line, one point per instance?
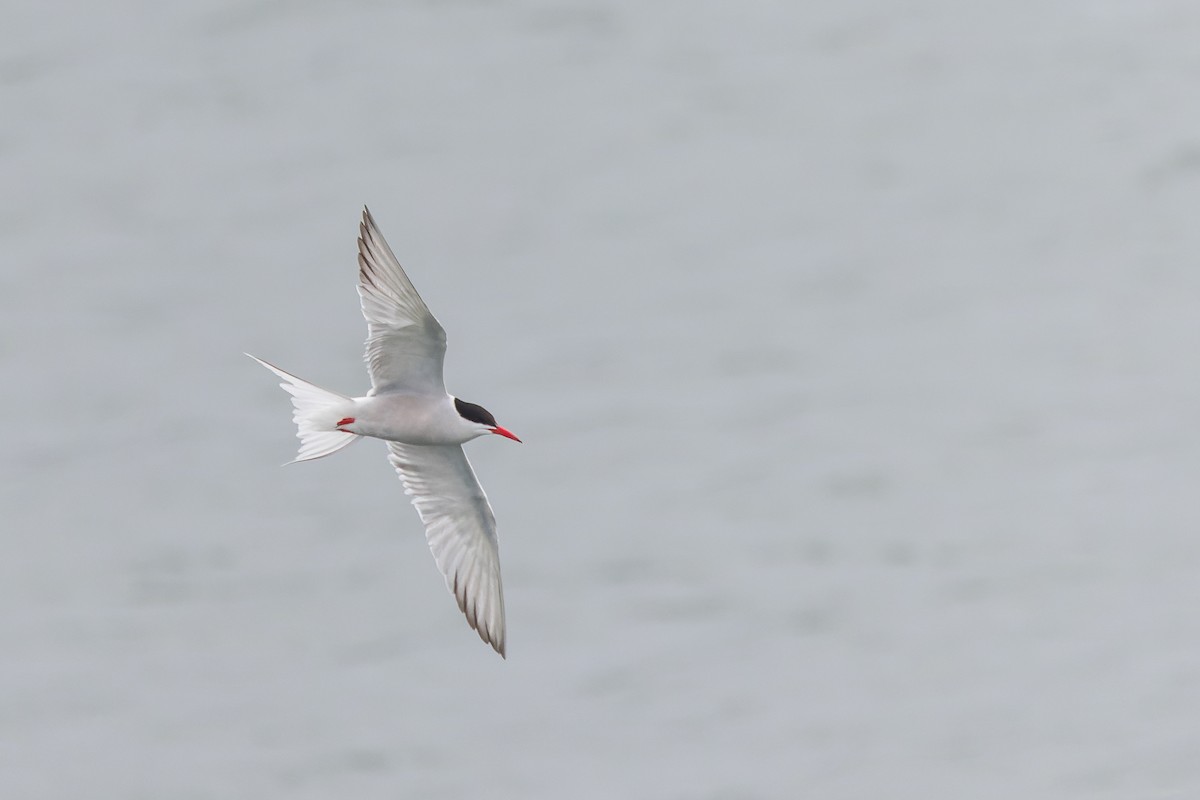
(424, 428)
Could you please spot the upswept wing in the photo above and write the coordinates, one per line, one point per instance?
(406, 345)
(460, 528)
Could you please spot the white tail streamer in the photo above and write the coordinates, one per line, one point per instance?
(317, 412)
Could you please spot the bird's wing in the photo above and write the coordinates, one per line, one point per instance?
(461, 530)
(405, 343)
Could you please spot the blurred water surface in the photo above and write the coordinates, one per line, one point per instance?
(853, 347)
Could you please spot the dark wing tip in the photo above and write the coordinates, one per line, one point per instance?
(497, 642)
(368, 228)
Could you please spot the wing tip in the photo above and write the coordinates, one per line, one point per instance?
(367, 227)
(495, 639)
(497, 643)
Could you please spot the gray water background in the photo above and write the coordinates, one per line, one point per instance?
(854, 347)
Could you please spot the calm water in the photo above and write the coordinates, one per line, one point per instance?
(854, 349)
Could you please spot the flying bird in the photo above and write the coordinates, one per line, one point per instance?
(424, 427)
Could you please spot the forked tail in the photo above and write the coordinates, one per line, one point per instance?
(317, 412)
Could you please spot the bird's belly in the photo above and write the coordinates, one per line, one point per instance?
(408, 419)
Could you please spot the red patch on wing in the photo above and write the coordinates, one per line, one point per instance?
(346, 421)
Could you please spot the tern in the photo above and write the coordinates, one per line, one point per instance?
(424, 427)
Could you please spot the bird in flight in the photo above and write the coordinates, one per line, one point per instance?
(424, 427)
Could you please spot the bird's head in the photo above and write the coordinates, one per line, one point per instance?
(480, 416)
